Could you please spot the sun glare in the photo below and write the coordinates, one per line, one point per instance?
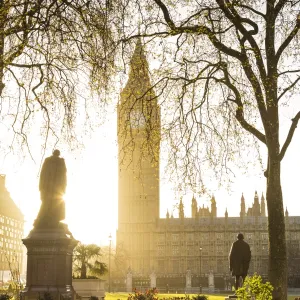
(92, 190)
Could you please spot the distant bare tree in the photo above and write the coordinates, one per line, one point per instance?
(224, 69)
(14, 268)
(119, 258)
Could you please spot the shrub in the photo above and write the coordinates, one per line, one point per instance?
(200, 297)
(45, 296)
(5, 297)
(148, 295)
(254, 287)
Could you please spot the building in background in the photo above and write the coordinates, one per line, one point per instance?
(11, 234)
(184, 253)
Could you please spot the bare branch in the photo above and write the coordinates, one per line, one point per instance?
(166, 13)
(253, 10)
(288, 88)
(289, 38)
(240, 108)
(290, 135)
(238, 21)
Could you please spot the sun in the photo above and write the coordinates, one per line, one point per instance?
(92, 194)
(91, 215)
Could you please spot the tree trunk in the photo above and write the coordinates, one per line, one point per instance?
(83, 271)
(3, 16)
(276, 226)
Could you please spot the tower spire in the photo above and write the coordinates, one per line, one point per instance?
(194, 207)
(213, 206)
(181, 209)
(286, 212)
(262, 206)
(139, 80)
(256, 206)
(243, 207)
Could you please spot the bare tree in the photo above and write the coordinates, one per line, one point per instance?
(52, 53)
(119, 257)
(225, 70)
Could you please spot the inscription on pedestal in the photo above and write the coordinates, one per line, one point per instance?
(44, 272)
(44, 249)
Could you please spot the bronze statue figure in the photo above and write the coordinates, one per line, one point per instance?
(239, 260)
(52, 186)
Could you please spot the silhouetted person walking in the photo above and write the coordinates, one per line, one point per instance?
(239, 259)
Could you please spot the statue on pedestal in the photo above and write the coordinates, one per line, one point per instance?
(50, 244)
(52, 186)
(188, 279)
(129, 280)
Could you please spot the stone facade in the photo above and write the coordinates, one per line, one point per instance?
(170, 247)
(11, 233)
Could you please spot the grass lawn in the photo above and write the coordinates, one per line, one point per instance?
(123, 296)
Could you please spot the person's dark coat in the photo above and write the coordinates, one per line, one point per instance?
(239, 258)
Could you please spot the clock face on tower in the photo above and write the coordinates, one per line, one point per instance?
(137, 119)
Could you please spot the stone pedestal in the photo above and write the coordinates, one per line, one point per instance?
(86, 288)
(188, 281)
(153, 280)
(211, 282)
(129, 281)
(49, 264)
(231, 297)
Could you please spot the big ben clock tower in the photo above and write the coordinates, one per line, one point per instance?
(139, 147)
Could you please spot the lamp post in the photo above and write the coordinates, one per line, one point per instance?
(109, 255)
(200, 268)
(2, 267)
(225, 282)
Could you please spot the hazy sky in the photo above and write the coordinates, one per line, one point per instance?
(92, 191)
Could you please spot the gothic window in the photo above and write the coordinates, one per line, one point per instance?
(190, 264)
(175, 250)
(190, 251)
(175, 266)
(205, 236)
(220, 249)
(293, 235)
(204, 265)
(232, 237)
(161, 266)
(219, 235)
(161, 237)
(220, 268)
(175, 237)
(249, 237)
(190, 236)
(160, 250)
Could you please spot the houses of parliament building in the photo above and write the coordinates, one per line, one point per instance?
(183, 252)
